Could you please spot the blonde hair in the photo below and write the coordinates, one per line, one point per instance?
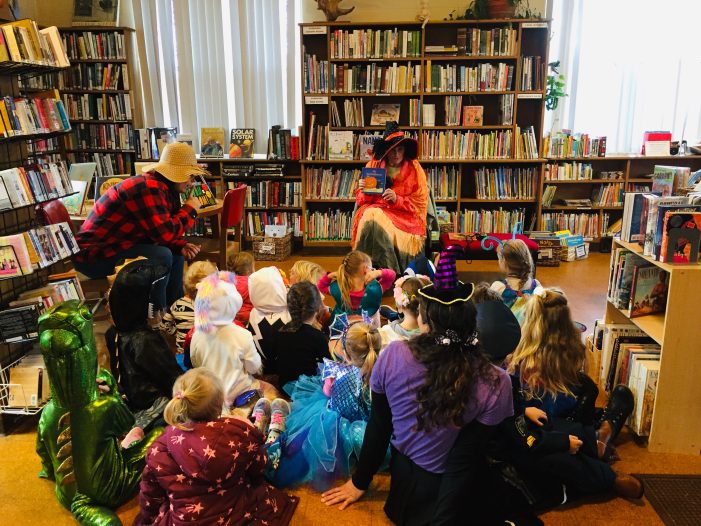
(349, 268)
(519, 262)
(198, 396)
(240, 263)
(551, 353)
(196, 272)
(307, 271)
(363, 343)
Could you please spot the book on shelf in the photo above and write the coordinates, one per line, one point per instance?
(200, 190)
(663, 181)
(608, 194)
(532, 73)
(505, 182)
(383, 113)
(651, 221)
(375, 78)
(443, 180)
(587, 225)
(266, 194)
(239, 170)
(41, 113)
(104, 183)
(19, 323)
(678, 175)
(34, 183)
(451, 144)
(646, 376)
(363, 145)
(103, 107)
(526, 144)
(340, 145)
(282, 144)
(441, 78)
(317, 139)
(648, 291)
(572, 171)
(107, 163)
(185, 138)
(681, 233)
(257, 221)
(316, 73)
(415, 112)
(325, 183)
(242, 144)
(429, 115)
(142, 144)
(620, 352)
(548, 195)
(564, 144)
(609, 333)
(472, 115)
(442, 50)
(94, 45)
(212, 142)
(23, 41)
(328, 225)
(452, 106)
(97, 77)
(483, 221)
(374, 43)
(375, 180)
(85, 136)
(28, 383)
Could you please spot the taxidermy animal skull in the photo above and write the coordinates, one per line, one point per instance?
(424, 13)
(332, 10)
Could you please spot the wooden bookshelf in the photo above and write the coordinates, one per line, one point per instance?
(676, 427)
(530, 39)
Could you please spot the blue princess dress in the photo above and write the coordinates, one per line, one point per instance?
(324, 435)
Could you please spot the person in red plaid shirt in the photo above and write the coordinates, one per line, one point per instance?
(142, 216)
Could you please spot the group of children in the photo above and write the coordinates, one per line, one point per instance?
(259, 338)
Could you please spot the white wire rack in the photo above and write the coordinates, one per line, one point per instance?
(14, 400)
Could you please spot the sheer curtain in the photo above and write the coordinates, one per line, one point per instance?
(220, 63)
(631, 66)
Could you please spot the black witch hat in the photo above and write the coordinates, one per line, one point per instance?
(392, 137)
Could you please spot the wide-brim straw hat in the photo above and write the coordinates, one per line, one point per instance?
(391, 138)
(177, 163)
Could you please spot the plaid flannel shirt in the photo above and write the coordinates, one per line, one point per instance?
(139, 210)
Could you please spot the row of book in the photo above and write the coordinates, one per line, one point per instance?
(375, 78)
(608, 195)
(33, 183)
(202, 227)
(44, 145)
(329, 225)
(443, 180)
(315, 74)
(532, 73)
(526, 146)
(414, 112)
(95, 45)
(636, 286)
(375, 43)
(465, 145)
(115, 107)
(481, 77)
(353, 113)
(281, 144)
(317, 139)
(253, 170)
(101, 136)
(23, 253)
(490, 221)
(31, 116)
(630, 357)
(495, 41)
(565, 144)
(668, 228)
(505, 182)
(325, 183)
(586, 225)
(107, 163)
(257, 221)
(23, 41)
(573, 171)
(264, 194)
(102, 77)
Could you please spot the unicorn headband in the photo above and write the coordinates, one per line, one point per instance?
(400, 296)
(491, 242)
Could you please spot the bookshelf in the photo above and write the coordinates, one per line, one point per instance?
(501, 69)
(676, 427)
(98, 96)
(585, 177)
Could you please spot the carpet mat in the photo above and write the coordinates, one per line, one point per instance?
(676, 498)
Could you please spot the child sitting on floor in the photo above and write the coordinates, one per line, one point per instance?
(557, 400)
(516, 263)
(356, 286)
(205, 468)
(218, 343)
(299, 345)
(303, 270)
(180, 317)
(406, 297)
(243, 265)
(330, 411)
(269, 314)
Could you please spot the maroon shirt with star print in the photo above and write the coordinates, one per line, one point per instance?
(210, 475)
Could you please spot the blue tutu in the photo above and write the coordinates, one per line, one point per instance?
(324, 435)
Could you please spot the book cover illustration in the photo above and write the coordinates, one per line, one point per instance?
(366, 143)
(201, 190)
(242, 143)
(9, 267)
(185, 138)
(74, 203)
(212, 142)
(663, 180)
(102, 184)
(375, 180)
(648, 293)
(472, 115)
(159, 138)
(681, 234)
(340, 145)
(383, 113)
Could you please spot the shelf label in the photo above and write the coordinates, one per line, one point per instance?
(534, 25)
(530, 96)
(382, 94)
(316, 100)
(314, 30)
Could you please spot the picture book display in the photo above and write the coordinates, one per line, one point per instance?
(201, 190)
(383, 113)
(375, 180)
(648, 291)
(364, 146)
(242, 143)
(663, 181)
(340, 145)
(681, 234)
(212, 142)
(102, 184)
(472, 115)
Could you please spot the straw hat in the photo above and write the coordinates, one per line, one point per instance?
(178, 162)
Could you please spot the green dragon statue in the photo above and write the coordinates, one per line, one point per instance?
(80, 429)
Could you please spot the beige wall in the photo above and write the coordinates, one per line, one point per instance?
(60, 12)
(396, 10)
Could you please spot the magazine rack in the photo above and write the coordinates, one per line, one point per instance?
(15, 399)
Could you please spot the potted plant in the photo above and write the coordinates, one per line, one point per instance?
(555, 86)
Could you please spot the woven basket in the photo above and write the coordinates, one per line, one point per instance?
(272, 248)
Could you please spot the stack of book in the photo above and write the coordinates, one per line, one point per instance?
(316, 73)
(573, 171)
(282, 144)
(43, 113)
(257, 222)
(353, 113)
(608, 195)
(458, 77)
(564, 144)
(491, 221)
(532, 73)
(95, 45)
(505, 182)
(33, 183)
(317, 139)
(329, 225)
(265, 194)
(526, 144)
(23, 41)
(375, 43)
(325, 183)
(465, 145)
(443, 180)
(453, 111)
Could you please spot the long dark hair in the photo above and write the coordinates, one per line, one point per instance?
(453, 364)
(303, 301)
(172, 190)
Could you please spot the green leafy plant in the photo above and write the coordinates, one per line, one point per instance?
(555, 87)
(479, 9)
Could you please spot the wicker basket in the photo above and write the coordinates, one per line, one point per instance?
(272, 248)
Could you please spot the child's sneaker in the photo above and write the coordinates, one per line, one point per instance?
(261, 415)
(280, 412)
